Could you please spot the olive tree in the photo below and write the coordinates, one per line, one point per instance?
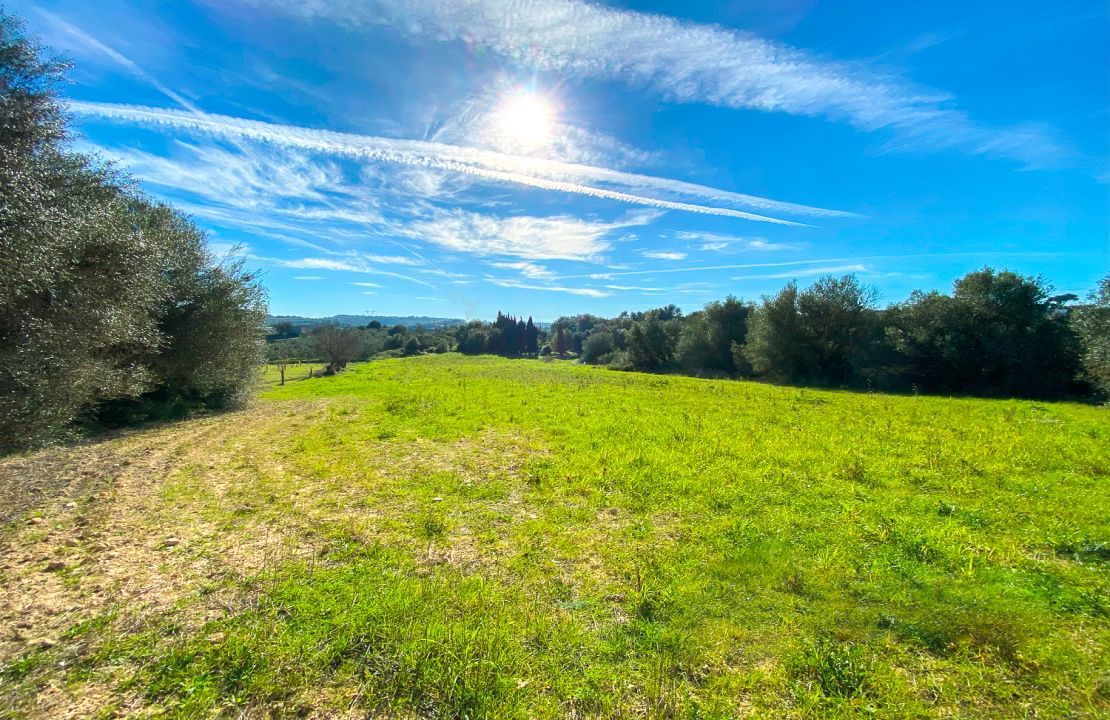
(337, 345)
(109, 303)
(822, 334)
(1092, 324)
(998, 333)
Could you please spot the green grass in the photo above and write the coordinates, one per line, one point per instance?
(271, 374)
(493, 538)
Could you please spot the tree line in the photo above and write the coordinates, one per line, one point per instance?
(507, 336)
(111, 308)
(337, 346)
(997, 333)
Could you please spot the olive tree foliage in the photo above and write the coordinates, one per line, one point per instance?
(1092, 325)
(823, 334)
(71, 313)
(841, 327)
(597, 346)
(999, 333)
(771, 348)
(653, 338)
(30, 117)
(95, 282)
(210, 318)
(338, 346)
(707, 338)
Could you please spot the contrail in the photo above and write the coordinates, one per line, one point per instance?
(134, 68)
(489, 165)
(608, 274)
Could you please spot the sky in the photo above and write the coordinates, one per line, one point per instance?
(553, 157)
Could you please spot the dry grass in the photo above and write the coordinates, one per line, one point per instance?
(171, 521)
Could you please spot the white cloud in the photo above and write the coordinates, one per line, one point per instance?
(391, 259)
(692, 63)
(762, 244)
(349, 265)
(718, 243)
(367, 284)
(443, 273)
(484, 164)
(527, 269)
(855, 265)
(710, 268)
(559, 237)
(660, 255)
(251, 178)
(808, 272)
(288, 196)
(318, 264)
(588, 292)
(632, 287)
(308, 277)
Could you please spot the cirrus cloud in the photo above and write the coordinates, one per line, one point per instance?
(559, 237)
(549, 175)
(661, 255)
(691, 62)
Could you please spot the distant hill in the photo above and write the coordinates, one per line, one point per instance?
(362, 320)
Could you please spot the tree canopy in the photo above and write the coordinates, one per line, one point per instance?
(111, 307)
(998, 334)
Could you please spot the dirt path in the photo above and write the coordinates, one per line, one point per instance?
(163, 525)
(93, 542)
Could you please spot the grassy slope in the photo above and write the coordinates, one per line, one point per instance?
(456, 537)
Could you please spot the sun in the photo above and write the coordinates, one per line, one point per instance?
(526, 118)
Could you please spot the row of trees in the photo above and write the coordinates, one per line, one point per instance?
(507, 336)
(338, 346)
(111, 309)
(997, 333)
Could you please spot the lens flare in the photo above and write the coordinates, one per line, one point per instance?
(526, 118)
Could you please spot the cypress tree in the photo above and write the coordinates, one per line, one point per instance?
(532, 338)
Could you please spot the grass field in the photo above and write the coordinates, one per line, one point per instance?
(474, 537)
(271, 375)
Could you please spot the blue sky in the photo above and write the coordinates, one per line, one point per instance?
(550, 157)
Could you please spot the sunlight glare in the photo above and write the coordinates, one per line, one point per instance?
(526, 118)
